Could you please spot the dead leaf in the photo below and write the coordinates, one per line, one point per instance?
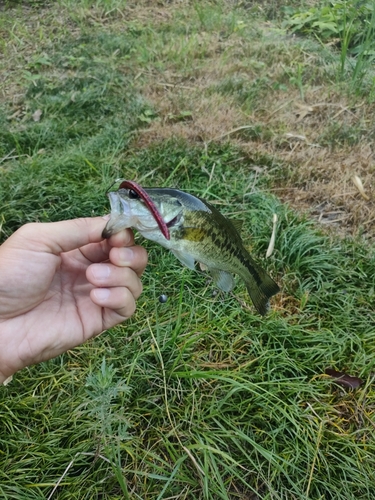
(9, 379)
(271, 245)
(358, 184)
(344, 379)
(295, 136)
(303, 111)
(37, 114)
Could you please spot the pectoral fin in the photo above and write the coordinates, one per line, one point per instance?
(185, 259)
(222, 279)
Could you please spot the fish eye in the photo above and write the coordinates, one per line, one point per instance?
(133, 195)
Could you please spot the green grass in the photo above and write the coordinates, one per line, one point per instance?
(198, 398)
(349, 24)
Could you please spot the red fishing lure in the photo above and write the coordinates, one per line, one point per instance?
(133, 186)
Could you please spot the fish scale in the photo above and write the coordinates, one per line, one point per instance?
(220, 240)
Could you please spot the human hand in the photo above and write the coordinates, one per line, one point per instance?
(61, 284)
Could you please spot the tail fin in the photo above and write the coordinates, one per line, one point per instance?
(261, 293)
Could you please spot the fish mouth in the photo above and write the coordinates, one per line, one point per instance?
(117, 207)
(120, 215)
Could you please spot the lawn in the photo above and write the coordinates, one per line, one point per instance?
(198, 397)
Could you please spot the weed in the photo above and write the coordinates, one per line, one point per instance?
(351, 23)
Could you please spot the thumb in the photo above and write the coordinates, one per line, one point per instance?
(57, 237)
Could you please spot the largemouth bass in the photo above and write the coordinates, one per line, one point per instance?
(193, 230)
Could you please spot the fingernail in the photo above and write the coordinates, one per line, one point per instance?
(101, 293)
(126, 256)
(100, 271)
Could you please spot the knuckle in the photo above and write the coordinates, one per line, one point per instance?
(139, 289)
(128, 275)
(130, 303)
(28, 229)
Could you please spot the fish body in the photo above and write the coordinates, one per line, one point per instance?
(197, 232)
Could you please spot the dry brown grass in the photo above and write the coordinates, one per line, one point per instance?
(323, 139)
(203, 123)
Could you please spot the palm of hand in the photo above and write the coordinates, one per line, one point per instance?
(59, 304)
(48, 296)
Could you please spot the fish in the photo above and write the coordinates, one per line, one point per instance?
(194, 231)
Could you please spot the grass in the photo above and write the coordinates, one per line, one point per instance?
(197, 398)
(348, 24)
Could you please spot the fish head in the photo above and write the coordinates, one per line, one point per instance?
(152, 211)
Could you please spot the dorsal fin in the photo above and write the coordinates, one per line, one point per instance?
(238, 224)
